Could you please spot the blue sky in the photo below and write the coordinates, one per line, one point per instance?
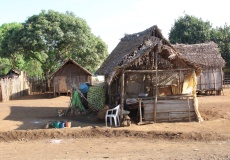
(111, 19)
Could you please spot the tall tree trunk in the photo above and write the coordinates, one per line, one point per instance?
(47, 81)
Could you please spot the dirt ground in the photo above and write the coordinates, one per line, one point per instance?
(22, 135)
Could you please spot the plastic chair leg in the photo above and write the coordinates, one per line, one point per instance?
(111, 121)
(106, 121)
(115, 121)
(118, 120)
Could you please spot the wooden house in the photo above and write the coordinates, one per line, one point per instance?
(69, 75)
(145, 68)
(208, 57)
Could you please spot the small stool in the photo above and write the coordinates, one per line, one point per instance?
(126, 121)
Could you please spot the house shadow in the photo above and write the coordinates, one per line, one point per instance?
(46, 95)
(37, 117)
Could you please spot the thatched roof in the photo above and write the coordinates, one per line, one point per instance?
(127, 45)
(136, 49)
(204, 54)
(73, 62)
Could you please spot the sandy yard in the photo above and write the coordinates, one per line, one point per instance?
(22, 135)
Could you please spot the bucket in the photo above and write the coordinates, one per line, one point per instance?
(56, 124)
(62, 124)
(68, 124)
(83, 88)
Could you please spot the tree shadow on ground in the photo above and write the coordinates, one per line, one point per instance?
(37, 117)
(37, 96)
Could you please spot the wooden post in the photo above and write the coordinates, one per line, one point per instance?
(214, 80)
(91, 79)
(109, 93)
(54, 87)
(189, 117)
(156, 92)
(222, 81)
(200, 83)
(122, 93)
(139, 108)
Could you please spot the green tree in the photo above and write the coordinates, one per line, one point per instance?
(221, 36)
(191, 30)
(33, 68)
(10, 47)
(51, 37)
(5, 66)
(94, 54)
(11, 51)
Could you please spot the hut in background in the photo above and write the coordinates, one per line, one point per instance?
(13, 73)
(69, 75)
(13, 85)
(145, 67)
(208, 57)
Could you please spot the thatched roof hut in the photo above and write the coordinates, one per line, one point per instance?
(133, 50)
(204, 54)
(146, 62)
(208, 57)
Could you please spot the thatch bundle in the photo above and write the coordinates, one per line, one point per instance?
(204, 54)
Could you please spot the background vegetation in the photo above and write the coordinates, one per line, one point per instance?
(44, 41)
(190, 30)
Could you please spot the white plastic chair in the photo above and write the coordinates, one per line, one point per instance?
(113, 114)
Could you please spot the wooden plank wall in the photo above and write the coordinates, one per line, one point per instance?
(69, 76)
(176, 110)
(210, 79)
(13, 88)
(63, 84)
(37, 85)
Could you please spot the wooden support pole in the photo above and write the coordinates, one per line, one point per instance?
(156, 92)
(122, 93)
(54, 87)
(222, 81)
(214, 78)
(140, 112)
(109, 92)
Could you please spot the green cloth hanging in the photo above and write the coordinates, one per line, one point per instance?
(76, 100)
